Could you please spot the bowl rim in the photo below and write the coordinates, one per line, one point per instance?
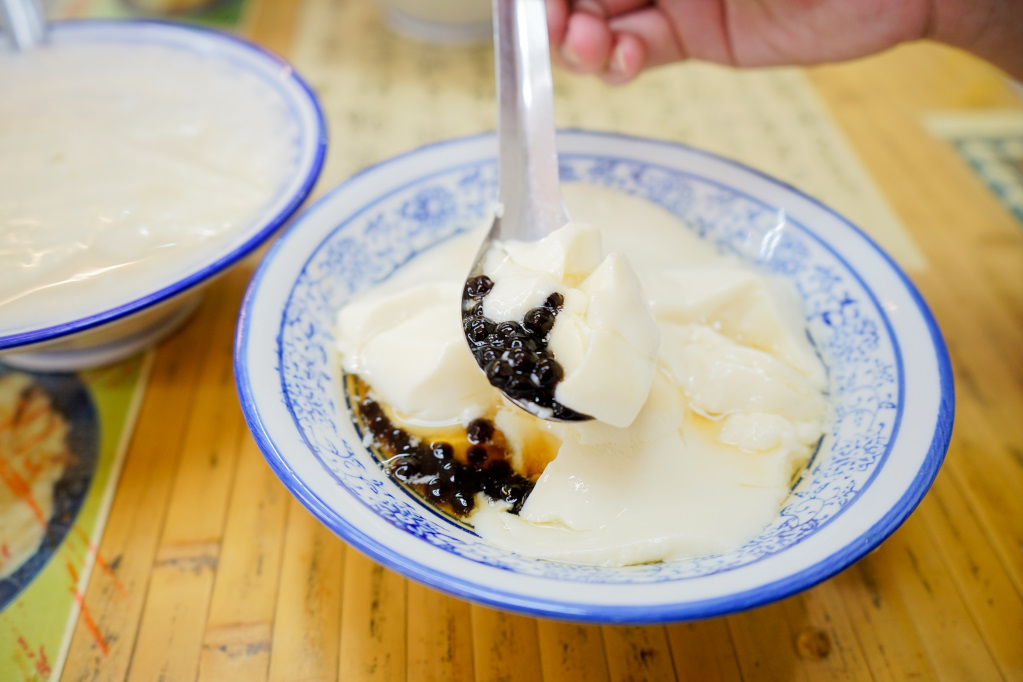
(453, 584)
(318, 137)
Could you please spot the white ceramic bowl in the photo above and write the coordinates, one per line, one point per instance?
(889, 375)
(101, 333)
(452, 22)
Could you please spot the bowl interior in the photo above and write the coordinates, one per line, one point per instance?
(879, 453)
(280, 84)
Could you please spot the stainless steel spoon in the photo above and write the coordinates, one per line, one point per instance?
(530, 204)
(24, 21)
(530, 193)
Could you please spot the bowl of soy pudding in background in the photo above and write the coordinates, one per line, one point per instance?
(141, 159)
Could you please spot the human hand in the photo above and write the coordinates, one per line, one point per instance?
(616, 39)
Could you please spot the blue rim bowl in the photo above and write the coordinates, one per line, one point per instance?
(889, 378)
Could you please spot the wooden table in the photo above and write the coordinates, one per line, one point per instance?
(219, 574)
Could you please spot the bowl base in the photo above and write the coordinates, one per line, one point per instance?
(438, 32)
(71, 354)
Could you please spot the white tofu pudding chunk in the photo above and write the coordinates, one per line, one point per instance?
(706, 395)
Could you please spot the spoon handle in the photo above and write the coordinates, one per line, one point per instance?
(25, 21)
(529, 190)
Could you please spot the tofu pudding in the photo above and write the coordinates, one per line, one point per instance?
(121, 161)
(706, 394)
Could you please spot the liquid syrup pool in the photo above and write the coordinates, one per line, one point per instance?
(445, 467)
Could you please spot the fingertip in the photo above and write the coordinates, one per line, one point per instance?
(628, 58)
(557, 21)
(587, 43)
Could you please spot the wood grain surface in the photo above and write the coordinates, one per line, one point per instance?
(222, 575)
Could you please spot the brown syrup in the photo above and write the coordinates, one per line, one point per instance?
(447, 467)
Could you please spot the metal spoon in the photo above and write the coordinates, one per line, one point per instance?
(529, 193)
(24, 22)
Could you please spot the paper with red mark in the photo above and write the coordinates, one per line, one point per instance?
(47, 596)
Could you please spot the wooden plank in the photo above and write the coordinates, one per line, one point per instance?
(137, 514)
(170, 636)
(439, 636)
(765, 644)
(976, 248)
(372, 622)
(638, 654)
(572, 651)
(825, 638)
(236, 644)
(240, 651)
(954, 645)
(307, 622)
(703, 651)
(987, 590)
(989, 492)
(505, 646)
(271, 23)
(882, 620)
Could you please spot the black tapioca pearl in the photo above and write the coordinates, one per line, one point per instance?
(451, 473)
(499, 468)
(374, 416)
(517, 505)
(492, 486)
(411, 448)
(539, 321)
(521, 360)
(429, 466)
(479, 431)
(520, 342)
(512, 491)
(506, 331)
(555, 302)
(435, 491)
(476, 455)
(370, 409)
(492, 370)
(462, 502)
(476, 329)
(404, 469)
(470, 480)
(546, 373)
(485, 355)
(478, 286)
(519, 386)
(498, 370)
(441, 451)
(379, 425)
(397, 439)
